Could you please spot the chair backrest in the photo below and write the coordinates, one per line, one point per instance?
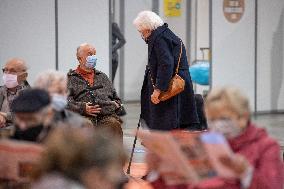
(17, 158)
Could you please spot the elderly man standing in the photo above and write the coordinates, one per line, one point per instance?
(15, 80)
(91, 93)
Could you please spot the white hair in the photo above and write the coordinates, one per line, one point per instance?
(147, 20)
(52, 81)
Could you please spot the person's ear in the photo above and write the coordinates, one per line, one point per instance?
(25, 76)
(22, 77)
(79, 59)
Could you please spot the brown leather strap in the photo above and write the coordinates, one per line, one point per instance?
(179, 57)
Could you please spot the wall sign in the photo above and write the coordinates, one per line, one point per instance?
(233, 10)
(172, 8)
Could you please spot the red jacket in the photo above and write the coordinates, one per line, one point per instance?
(261, 151)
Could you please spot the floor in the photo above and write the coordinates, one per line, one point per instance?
(274, 123)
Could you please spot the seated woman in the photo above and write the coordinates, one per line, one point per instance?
(257, 160)
(80, 158)
(55, 83)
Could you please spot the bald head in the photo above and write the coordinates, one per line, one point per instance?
(83, 51)
(85, 47)
(17, 67)
(16, 64)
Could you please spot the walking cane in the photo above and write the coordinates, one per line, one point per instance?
(133, 147)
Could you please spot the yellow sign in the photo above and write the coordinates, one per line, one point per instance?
(172, 8)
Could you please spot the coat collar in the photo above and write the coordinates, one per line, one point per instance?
(73, 72)
(154, 35)
(251, 134)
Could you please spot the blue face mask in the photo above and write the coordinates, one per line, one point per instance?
(91, 61)
(59, 102)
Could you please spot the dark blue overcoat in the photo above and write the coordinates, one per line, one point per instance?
(163, 53)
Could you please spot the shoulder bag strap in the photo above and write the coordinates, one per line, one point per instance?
(179, 57)
(176, 68)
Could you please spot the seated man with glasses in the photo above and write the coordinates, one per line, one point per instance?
(14, 80)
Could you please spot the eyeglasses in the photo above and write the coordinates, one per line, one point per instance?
(12, 71)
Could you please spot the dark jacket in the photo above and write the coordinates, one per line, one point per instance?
(263, 154)
(39, 134)
(102, 93)
(163, 53)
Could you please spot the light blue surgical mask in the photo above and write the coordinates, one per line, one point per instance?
(91, 61)
(59, 102)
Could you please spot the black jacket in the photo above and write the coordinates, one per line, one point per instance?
(38, 134)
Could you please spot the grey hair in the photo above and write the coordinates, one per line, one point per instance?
(52, 81)
(147, 20)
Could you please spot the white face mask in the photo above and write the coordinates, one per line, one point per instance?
(10, 80)
(227, 127)
(59, 102)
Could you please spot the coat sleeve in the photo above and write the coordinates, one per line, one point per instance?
(165, 65)
(269, 171)
(109, 107)
(73, 105)
(267, 174)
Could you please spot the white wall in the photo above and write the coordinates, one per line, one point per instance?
(199, 35)
(28, 32)
(135, 50)
(80, 22)
(176, 24)
(270, 65)
(202, 27)
(233, 47)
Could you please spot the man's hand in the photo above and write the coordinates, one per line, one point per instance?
(92, 110)
(155, 96)
(2, 121)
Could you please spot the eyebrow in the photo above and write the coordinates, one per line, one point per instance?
(11, 69)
